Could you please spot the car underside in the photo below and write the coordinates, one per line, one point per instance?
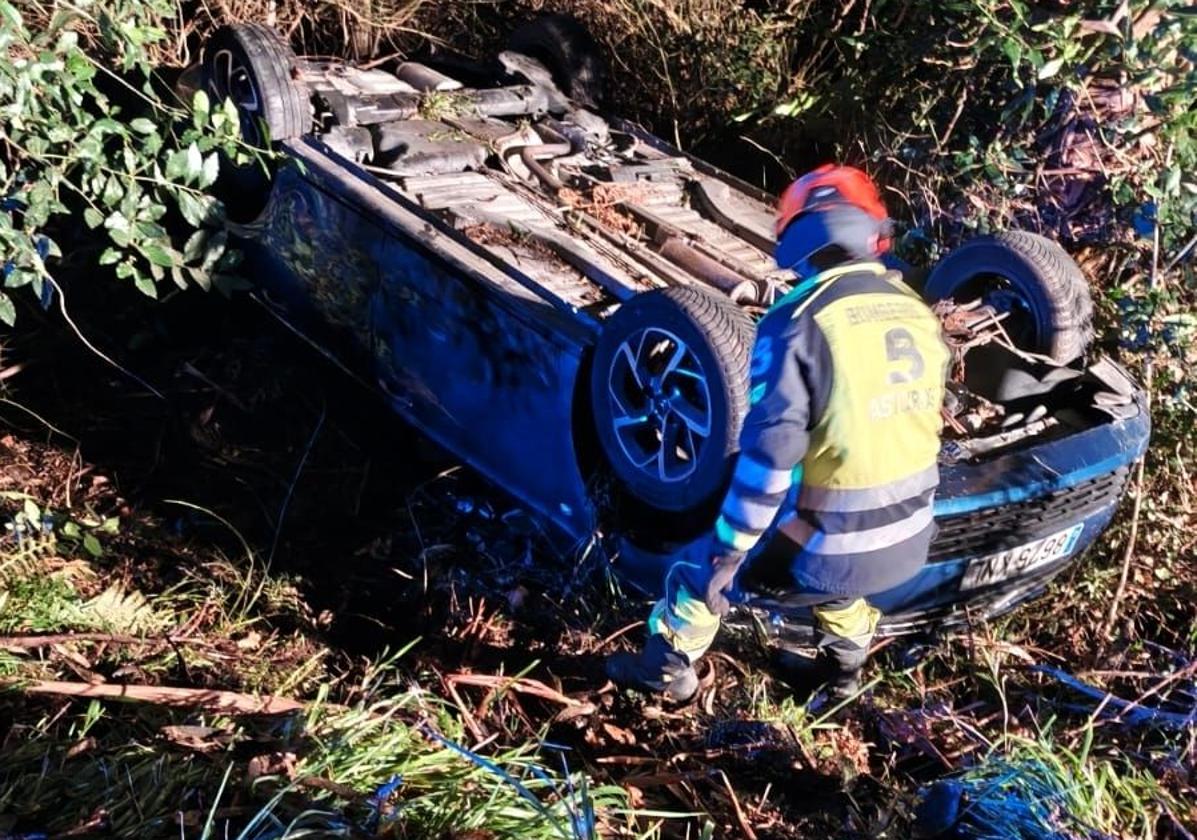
(565, 302)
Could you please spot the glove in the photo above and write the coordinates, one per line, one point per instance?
(724, 565)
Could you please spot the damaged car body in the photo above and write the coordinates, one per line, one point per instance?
(565, 302)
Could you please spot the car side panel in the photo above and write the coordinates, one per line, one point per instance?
(473, 359)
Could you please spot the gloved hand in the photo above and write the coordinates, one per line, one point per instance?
(724, 565)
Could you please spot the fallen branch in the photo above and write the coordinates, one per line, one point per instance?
(523, 685)
(745, 826)
(47, 639)
(1123, 710)
(211, 700)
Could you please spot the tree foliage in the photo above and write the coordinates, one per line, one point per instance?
(91, 136)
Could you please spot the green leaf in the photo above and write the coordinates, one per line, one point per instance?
(1172, 185)
(109, 256)
(8, 312)
(195, 245)
(1050, 68)
(200, 277)
(92, 545)
(200, 109)
(93, 218)
(197, 209)
(145, 285)
(1013, 50)
(215, 249)
(143, 126)
(151, 230)
(176, 165)
(113, 191)
(158, 255)
(32, 512)
(88, 148)
(195, 162)
(71, 530)
(20, 276)
(210, 171)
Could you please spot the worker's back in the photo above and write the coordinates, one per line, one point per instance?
(870, 356)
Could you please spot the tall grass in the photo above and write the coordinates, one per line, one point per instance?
(392, 759)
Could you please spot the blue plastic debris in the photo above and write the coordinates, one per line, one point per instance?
(381, 810)
(1144, 219)
(573, 833)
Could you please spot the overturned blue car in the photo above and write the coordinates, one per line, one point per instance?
(565, 302)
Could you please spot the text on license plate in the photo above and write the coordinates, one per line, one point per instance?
(984, 571)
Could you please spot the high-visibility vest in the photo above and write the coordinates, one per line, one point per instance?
(848, 382)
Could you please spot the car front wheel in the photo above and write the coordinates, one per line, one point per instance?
(669, 389)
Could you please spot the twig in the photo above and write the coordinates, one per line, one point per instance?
(617, 634)
(1129, 553)
(96, 350)
(740, 818)
(11, 371)
(523, 685)
(1124, 710)
(45, 640)
(282, 513)
(211, 700)
(1181, 254)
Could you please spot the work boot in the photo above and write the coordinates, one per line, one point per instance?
(658, 669)
(838, 666)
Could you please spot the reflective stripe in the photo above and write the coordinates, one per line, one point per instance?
(858, 542)
(804, 288)
(856, 622)
(868, 498)
(753, 473)
(729, 535)
(751, 513)
(686, 623)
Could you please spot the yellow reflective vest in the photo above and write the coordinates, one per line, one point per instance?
(847, 383)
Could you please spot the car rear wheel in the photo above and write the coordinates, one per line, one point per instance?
(669, 390)
(1043, 292)
(253, 66)
(565, 47)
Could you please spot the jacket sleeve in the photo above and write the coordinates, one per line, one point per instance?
(789, 357)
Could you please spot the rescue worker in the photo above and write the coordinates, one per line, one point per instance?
(847, 380)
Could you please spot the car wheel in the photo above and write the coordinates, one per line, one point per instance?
(1033, 279)
(569, 52)
(253, 66)
(669, 391)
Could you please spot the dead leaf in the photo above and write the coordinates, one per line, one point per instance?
(250, 641)
(81, 746)
(618, 734)
(635, 796)
(202, 739)
(271, 764)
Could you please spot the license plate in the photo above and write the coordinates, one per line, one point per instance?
(1016, 561)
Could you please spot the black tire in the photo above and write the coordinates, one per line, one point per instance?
(710, 375)
(254, 66)
(1032, 278)
(569, 52)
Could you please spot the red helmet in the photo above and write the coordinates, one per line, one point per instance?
(826, 186)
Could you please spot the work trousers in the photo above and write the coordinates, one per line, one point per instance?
(846, 622)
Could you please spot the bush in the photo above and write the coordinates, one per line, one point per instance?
(91, 134)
